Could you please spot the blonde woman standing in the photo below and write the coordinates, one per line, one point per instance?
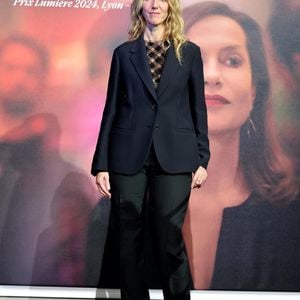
(153, 139)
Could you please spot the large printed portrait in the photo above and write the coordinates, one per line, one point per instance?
(242, 229)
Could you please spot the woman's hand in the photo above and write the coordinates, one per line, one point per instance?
(102, 181)
(199, 178)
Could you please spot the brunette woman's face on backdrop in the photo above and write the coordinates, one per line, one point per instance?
(155, 12)
(229, 91)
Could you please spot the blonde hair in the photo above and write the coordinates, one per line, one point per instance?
(173, 25)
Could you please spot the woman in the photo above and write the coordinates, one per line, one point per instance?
(153, 137)
(236, 232)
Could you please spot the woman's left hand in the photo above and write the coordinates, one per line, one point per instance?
(199, 178)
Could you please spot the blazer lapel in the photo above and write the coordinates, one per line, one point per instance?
(140, 62)
(170, 65)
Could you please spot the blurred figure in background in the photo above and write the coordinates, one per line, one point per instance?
(31, 166)
(33, 148)
(60, 256)
(284, 27)
(23, 73)
(242, 226)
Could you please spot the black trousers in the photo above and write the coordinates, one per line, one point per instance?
(168, 199)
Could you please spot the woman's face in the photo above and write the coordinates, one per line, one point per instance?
(229, 91)
(155, 12)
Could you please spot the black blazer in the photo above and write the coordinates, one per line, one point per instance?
(173, 117)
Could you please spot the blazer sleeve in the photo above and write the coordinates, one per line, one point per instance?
(99, 162)
(198, 107)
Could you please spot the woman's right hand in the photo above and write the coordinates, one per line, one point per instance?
(102, 181)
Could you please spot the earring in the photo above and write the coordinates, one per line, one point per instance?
(251, 129)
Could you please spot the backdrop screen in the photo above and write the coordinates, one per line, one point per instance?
(242, 229)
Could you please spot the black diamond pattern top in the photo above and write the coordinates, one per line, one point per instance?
(156, 52)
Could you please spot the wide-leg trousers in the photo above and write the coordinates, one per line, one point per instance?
(168, 198)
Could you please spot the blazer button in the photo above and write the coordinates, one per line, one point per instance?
(153, 107)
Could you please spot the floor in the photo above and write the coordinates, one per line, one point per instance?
(45, 298)
(194, 296)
